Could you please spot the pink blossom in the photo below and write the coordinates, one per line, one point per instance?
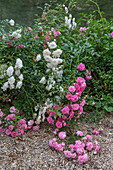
(89, 137)
(13, 134)
(81, 67)
(77, 88)
(63, 144)
(73, 155)
(51, 143)
(89, 146)
(10, 117)
(11, 127)
(30, 122)
(12, 109)
(67, 154)
(62, 135)
(55, 106)
(97, 149)
(80, 80)
(80, 150)
(68, 96)
(71, 89)
(0, 122)
(74, 98)
(36, 127)
(112, 34)
(22, 121)
(81, 159)
(85, 157)
(79, 133)
(50, 120)
(75, 106)
(20, 46)
(71, 146)
(8, 132)
(58, 124)
(65, 110)
(87, 77)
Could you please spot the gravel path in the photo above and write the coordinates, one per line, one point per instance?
(32, 152)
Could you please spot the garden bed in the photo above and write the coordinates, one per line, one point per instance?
(33, 152)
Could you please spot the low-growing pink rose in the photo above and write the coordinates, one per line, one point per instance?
(79, 133)
(71, 89)
(62, 135)
(36, 127)
(50, 120)
(58, 124)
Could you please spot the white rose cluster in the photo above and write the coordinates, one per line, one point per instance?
(11, 79)
(53, 60)
(3, 71)
(70, 22)
(17, 34)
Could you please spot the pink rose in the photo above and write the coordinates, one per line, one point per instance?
(75, 106)
(62, 135)
(58, 124)
(30, 122)
(55, 106)
(67, 154)
(89, 146)
(79, 133)
(8, 132)
(22, 121)
(112, 34)
(65, 110)
(50, 120)
(36, 127)
(81, 67)
(11, 127)
(71, 89)
(12, 109)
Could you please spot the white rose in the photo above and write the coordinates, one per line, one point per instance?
(12, 22)
(18, 63)
(21, 77)
(49, 87)
(19, 84)
(60, 60)
(19, 31)
(11, 86)
(52, 45)
(17, 72)
(47, 58)
(54, 62)
(49, 65)
(70, 16)
(46, 52)
(10, 71)
(66, 10)
(38, 57)
(11, 80)
(43, 80)
(57, 53)
(16, 35)
(47, 70)
(5, 86)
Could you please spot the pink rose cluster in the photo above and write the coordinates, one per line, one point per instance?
(96, 132)
(112, 34)
(56, 145)
(14, 129)
(78, 149)
(81, 67)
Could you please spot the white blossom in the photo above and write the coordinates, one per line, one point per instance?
(57, 52)
(11, 80)
(5, 86)
(70, 16)
(47, 58)
(12, 22)
(17, 72)
(49, 87)
(54, 62)
(19, 31)
(19, 84)
(49, 65)
(38, 57)
(10, 71)
(60, 60)
(16, 35)
(21, 77)
(18, 63)
(43, 80)
(66, 10)
(46, 52)
(47, 70)
(52, 45)
(12, 86)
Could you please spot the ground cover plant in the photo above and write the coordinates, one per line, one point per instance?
(51, 71)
